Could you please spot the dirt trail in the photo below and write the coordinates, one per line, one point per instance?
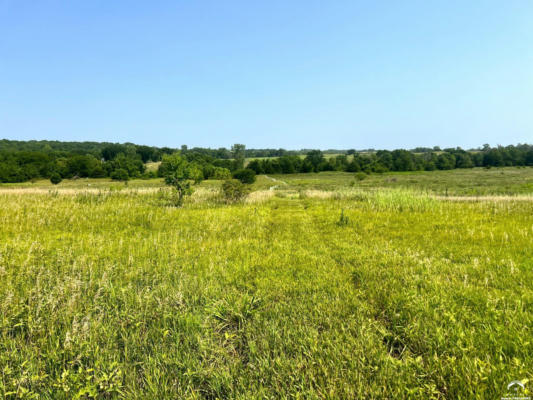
(275, 180)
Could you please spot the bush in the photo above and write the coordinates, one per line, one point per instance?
(245, 175)
(360, 176)
(221, 173)
(343, 219)
(55, 178)
(120, 175)
(234, 191)
(149, 175)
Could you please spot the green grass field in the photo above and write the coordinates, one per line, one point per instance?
(323, 287)
(476, 181)
(460, 182)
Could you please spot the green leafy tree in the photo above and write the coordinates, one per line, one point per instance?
(234, 191)
(133, 165)
(493, 158)
(238, 151)
(82, 165)
(257, 166)
(245, 175)
(353, 166)
(315, 158)
(120, 174)
(463, 160)
(55, 178)
(445, 161)
(221, 173)
(402, 160)
(181, 175)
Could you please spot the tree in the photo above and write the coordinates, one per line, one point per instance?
(289, 164)
(111, 151)
(463, 160)
(493, 158)
(385, 158)
(55, 178)
(120, 174)
(146, 153)
(316, 159)
(221, 173)
(445, 161)
(181, 175)
(245, 175)
(256, 166)
(353, 166)
(339, 163)
(82, 166)
(402, 160)
(134, 166)
(234, 191)
(529, 158)
(238, 151)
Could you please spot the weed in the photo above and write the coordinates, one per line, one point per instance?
(343, 219)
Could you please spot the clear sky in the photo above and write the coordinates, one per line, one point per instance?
(277, 73)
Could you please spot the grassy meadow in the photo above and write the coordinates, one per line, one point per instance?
(471, 182)
(318, 286)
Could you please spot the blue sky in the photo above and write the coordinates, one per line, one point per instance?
(292, 74)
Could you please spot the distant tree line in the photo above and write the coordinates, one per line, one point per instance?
(27, 160)
(397, 160)
(23, 161)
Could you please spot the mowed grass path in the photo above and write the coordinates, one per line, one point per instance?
(116, 295)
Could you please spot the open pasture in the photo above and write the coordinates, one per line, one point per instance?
(457, 182)
(471, 182)
(385, 293)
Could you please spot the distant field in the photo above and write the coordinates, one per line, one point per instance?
(476, 181)
(302, 156)
(86, 183)
(462, 182)
(152, 166)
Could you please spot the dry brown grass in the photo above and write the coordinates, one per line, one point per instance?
(71, 191)
(491, 198)
(202, 194)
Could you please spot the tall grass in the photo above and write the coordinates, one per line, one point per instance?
(118, 295)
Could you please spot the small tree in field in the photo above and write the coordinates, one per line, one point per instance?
(234, 191)
(120, 174)
(221, 173)
(55, 178)
(181, 175)
(245, 175)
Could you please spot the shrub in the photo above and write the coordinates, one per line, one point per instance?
(360, 176)
(55, 178)
(149, 175)
(245, 175)
(120, 175)
(234, 191)
(343, 219)
(221, 173)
